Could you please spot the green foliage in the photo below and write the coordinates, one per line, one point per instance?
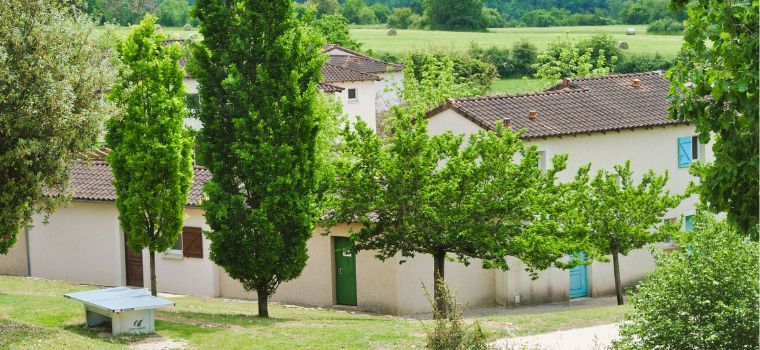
(381, 11)
(508, 63)
(665, 26)
(543, 18)
(122, 12)
(715, 87)
(333, 27)
(258, 68)
(457, 15)
(565, 60)
(601, 44)
(401, 18)
(492, 18)
(620, 215)
(430, 83)
(414, 193)
(325, 7)
(151, 153)
(643, 63)
(357, 12)
(469, 70)
(703, 295)
(450, 332)
(173, 13)
(53, 70)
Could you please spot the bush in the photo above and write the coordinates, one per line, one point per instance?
(539, 18)
(477, 72)
(643, 63)
(401, 18)
(587, 19)
(381, 12)
(600, 43)
(665, 25)
(492, 18)
(450, 332)
(703, 295)
(524, 55)
(499, 57)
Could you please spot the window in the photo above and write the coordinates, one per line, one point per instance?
(542, 160)
(352, 95)
(689, 150)
(688, 223)
(189, 244)
(193, 102)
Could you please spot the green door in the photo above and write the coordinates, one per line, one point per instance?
(345, 272)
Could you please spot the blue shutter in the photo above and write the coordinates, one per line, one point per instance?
(689, 223)
(684, 151)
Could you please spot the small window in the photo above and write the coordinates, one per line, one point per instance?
(542, 160)
(688, 151)
(352, 95)
(688, 223)
(176, 249)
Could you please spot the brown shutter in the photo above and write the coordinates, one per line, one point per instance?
(192, 242)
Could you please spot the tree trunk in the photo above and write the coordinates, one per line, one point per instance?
(263, 307)
(439, 259)
(153, 289)
(616, 268)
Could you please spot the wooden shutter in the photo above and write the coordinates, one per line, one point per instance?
(685, 151)
(192, 242)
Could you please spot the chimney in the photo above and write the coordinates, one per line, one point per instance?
(636, 83)
(533, 115)
(565, 82)
(508, 122)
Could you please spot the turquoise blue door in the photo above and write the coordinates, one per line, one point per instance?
(579, 280)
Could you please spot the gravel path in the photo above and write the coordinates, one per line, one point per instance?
(591, 338)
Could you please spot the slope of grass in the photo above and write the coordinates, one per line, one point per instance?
(35, 315)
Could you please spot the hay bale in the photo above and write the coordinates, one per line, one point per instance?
(187, 27)
(158, 26)
(630, 31)
(623, 45)
(392, 32)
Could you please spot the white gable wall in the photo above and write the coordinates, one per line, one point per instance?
(363, 106)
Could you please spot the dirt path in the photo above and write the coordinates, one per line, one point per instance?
(591, 338)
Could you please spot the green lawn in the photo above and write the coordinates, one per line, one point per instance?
(375, 38)
(378, 41)
(518, 85)
(34, 315)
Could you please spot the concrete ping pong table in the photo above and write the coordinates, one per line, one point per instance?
(129, 310)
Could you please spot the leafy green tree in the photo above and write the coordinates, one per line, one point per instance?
(258, 68)
(467, 69)
(151, 155)
(620, 215)
(715, 86)
(401, 18)
(492, 18)
(333, 27)
(366, 16)
(325, 7)
(429, 85)
(415, 194)
(459, 15)
(703, 295)
(53, 69)
(381, 12)
(564, 60)
(173, 13)
(352, 10)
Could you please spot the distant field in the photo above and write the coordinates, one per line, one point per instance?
(377, 40)
(518, 85)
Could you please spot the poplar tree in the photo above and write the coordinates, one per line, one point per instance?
(151, 153)
(258, 68)
(620, 215)
(53, 70)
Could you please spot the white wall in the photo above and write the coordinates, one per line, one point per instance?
(14, 263)
(363, 106)
(387, 90)
(182, 275)
(79, 244)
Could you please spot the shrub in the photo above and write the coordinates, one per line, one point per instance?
(499, 57)
(703, 295)
(492, 18)
(524, 55)
(381, 12)
(450, 332)
(470, 69)
(665, 25)
(539, 18)
(401, 18)
(600, 43)
(643, 63)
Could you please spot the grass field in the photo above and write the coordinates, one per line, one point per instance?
(518, 85)
(375, 38)
(378, 41)
(34, 315)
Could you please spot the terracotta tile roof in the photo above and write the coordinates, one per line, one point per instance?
(329, 87)
(335, 74)
(359, 61)
(93, 181)
(595, 104)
